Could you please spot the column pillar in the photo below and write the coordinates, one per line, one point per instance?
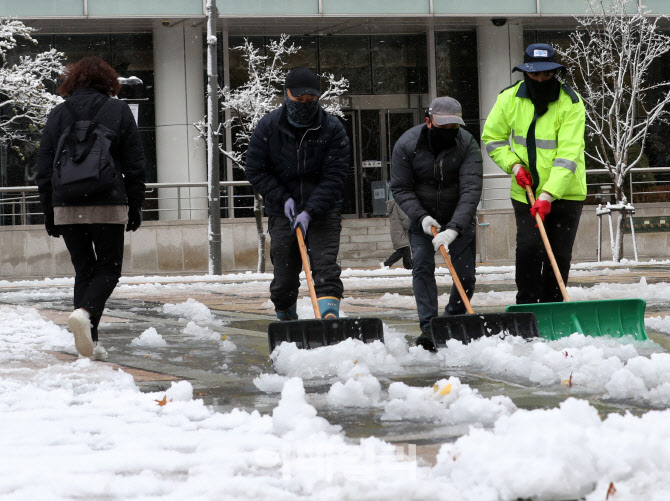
(499, 49)
(180, 102)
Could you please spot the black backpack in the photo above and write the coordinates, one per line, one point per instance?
(83, 165)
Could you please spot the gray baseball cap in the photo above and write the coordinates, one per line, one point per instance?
(446, 110)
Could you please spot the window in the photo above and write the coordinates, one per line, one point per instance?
(349, 57)
(457, 76)
(399, 64)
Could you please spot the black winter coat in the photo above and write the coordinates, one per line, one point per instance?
(126, 149)
(311, 169)
(448, 187)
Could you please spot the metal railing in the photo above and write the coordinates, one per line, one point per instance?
(20, 205)
(603, 192)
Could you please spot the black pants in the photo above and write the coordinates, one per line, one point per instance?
(96, 251)
(403, 252)
(462, 252)
(323, 246)
(535, 279)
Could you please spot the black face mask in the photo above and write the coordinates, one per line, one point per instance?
(441, 139)
(301, 114)
(542, 93)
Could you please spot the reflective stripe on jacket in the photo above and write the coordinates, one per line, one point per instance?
(558, 138)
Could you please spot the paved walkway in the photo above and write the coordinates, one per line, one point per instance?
(224, 379)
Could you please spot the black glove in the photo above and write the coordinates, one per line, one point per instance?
(52, 229)
(134, 217)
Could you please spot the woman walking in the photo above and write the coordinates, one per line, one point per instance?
(90, 175)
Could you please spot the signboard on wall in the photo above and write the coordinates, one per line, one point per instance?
(135, 109)
(345, 101)
(367, 164)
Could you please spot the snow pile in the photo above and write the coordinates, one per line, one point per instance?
(448, 401)
(150, 338)
(326, 361)
(294, 417)
(227, 345)
(362, 389)
(393, 357)
(580, 363)
(181, 391)
(658, 324)
(23, 331)
(270, 383)
(192, 310)
(200, 333)
(563, 453)
(73, 431)
(642, 378)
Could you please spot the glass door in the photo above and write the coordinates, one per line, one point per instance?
(372, 160)
(350, 206)
(397, 123)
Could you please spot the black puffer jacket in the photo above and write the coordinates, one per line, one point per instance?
(310, 170)
(126, 149)
(448, 187)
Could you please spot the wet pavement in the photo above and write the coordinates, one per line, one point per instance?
(224, 379)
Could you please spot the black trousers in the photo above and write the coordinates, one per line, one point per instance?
(96, 251)
(462, 253)
(535, 279)
(403, 252)
(323, 246)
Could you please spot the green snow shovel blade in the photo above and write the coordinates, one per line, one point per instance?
(607, 317)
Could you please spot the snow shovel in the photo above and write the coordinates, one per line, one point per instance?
(321, 332)
(465, 328)
(606, 317)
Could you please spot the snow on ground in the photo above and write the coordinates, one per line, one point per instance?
(150, 338)
(613, 369)
(448, 401)
(562, 453)
(192, 310)
(81, 430)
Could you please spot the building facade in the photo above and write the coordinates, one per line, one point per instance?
(397, 56)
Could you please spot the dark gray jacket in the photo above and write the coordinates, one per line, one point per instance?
(399, 225)
(448, 187)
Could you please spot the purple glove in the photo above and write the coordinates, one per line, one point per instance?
(289, 209)
(302, 220)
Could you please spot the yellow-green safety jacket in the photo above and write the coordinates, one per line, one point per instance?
(557, 141)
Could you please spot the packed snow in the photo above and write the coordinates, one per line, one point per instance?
(83, 430)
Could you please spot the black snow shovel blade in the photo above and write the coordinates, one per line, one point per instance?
(324, 332)
(313, 333)
(465, 328)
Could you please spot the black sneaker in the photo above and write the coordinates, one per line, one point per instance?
(425, 340)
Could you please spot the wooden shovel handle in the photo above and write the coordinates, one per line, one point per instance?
(454, 275)
(308, 271)
(547, 246)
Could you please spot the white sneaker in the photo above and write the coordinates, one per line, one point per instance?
(80, 326)
(99, 352)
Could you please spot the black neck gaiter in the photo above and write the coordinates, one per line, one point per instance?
(542, 93)
(301, 114)
(441, 139)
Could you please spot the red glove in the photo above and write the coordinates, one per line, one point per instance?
(523, 179)
(541, 207)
